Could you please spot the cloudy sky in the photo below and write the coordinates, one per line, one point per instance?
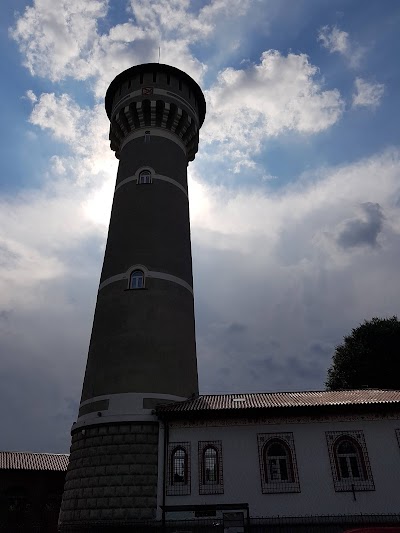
(294, 194)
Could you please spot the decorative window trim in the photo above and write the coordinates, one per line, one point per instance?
(333, 439)
(204, 487)
(178, 489)
(269, 486)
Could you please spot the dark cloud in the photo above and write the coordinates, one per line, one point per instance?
(321, 348)
(363, 232)
(43, 351)
(236, 327)
(8, 258)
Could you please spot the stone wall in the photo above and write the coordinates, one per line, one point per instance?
(112, 475)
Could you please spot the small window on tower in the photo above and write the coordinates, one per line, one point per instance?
(144, 177)
(146, 136)
(136, 281)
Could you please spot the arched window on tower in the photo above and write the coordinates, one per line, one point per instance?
(144, 177)
(136, 280)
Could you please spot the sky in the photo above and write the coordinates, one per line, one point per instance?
(294, 193)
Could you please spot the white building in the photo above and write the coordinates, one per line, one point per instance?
(293, 454)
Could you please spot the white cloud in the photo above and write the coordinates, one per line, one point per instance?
(31, 96)
(83, 130)
(290, 272)
(336, 40)
(265, 261)
(55, 34)
(167, 16)
(281, 94)
(367, 94)
(278, 250)
(61, 38)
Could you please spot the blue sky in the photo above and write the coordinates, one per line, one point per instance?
(294, 194)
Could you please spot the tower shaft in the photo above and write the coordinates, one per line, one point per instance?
(142, 349)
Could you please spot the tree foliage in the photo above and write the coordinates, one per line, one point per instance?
(369, 357)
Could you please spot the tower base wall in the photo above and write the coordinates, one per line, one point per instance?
(112, 477)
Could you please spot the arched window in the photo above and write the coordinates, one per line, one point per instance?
(349, 460)
(136, 281)
(179, 463)
(348, 454)
(277, 462)
(178, 469)
(144, 177)
(210, 466)
(278, 468)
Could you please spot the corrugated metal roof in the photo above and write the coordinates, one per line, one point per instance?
(270, 400)
(33, 461)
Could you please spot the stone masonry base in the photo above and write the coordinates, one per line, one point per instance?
(111, 478)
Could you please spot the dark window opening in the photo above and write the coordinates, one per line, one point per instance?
(136, 280)
(144, 177)
(146, 106)
(210, 466)
(179, 467)
(277, 462)
(349, 460)
(160, 104)
(171, 116)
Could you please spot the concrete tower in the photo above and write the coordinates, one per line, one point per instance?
(142, 350)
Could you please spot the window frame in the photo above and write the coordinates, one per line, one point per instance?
(178, 488)
(145, 173)
(206, 487)
(350, 483)
(269, 485)
(280, 458)
(131, 276)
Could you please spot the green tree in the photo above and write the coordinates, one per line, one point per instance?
(369, 357)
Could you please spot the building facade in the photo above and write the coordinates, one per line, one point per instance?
(283, 454)
(31, 486)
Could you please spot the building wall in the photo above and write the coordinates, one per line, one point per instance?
(30, 500)
(317, 496)
(144, 341)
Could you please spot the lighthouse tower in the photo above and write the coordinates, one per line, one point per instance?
(142, 349)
